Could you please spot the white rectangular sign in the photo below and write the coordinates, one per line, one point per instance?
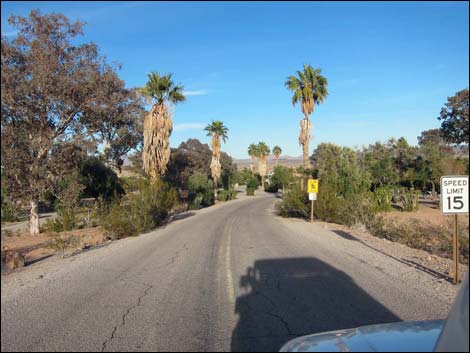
(454, 194)
(312, 196)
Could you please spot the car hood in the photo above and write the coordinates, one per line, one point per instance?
(397, 337)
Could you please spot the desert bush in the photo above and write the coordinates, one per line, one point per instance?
(281, 178)
(382, 198)
(208, 198)
(10, 209)
(66, 246)
(99, 180)
(140, 211)
(294, 204)
(252, 183)
(196, 203)
(223, 195)
(65, 220)
(199, 182)
(241, 177)
(250, 191)
(272, 187)
(410, 200)
(134, 184)
(424, 236)
(233, 194)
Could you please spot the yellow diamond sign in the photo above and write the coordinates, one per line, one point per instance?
(312, 185)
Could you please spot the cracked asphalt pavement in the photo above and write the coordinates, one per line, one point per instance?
(233, 277)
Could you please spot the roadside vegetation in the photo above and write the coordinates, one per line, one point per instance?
(68, 124)
(359, 186)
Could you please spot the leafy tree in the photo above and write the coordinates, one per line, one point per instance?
(455, 124)
(218, 131)
(277, 153)
(339, 168)
(158, 124)
(380, 164)
(99, 180)
(117, 121)
(263, 153)
(190, 157)
(404, 159)
(309, 87)
(50, 88)
(282, 176)
(432, 148)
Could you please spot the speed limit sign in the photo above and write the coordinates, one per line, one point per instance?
(454, 201)
(454, 194)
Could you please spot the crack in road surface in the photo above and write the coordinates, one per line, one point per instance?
(105, 343)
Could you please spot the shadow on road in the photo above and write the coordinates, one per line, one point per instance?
(406, 262)
(287, 298)
(176, 217)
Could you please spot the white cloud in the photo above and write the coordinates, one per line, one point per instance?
(188, 126)
(201, 92)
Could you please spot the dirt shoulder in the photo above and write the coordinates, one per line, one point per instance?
(429, 212)
(436, 266)
(40, 247)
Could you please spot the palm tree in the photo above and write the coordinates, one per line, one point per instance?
(277, 152)
(218, 131)
(158, 123)
(263, 152)
(253, 153)
(309, 88)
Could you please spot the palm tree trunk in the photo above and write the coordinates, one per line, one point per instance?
(304, 140)
(252, 167)
(305, 148)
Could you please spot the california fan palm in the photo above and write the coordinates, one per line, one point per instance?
(309, 88)
(253, 153)
(277, 153)
(158, 123)
(218, 131)
(263, 153)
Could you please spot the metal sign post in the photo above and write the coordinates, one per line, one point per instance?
(454, 201)
(312, 190)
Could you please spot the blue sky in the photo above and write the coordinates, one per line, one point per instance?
(390, 66)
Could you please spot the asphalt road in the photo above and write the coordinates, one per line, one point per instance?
(230, 277)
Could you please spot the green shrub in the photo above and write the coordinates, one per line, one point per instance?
(199, 182)
(410, 200)
(196, 203)
(65, 246)
(272, 187)
(201, 191)
(133, 184)
(65, 220)
(382, 198)
(250, 191)
(223, 195)
(141, 211)
(253, 183)
(99, 180)
(208, 198)
(233, 194)
(295, 203)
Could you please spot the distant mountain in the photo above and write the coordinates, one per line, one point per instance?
(287, 161)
